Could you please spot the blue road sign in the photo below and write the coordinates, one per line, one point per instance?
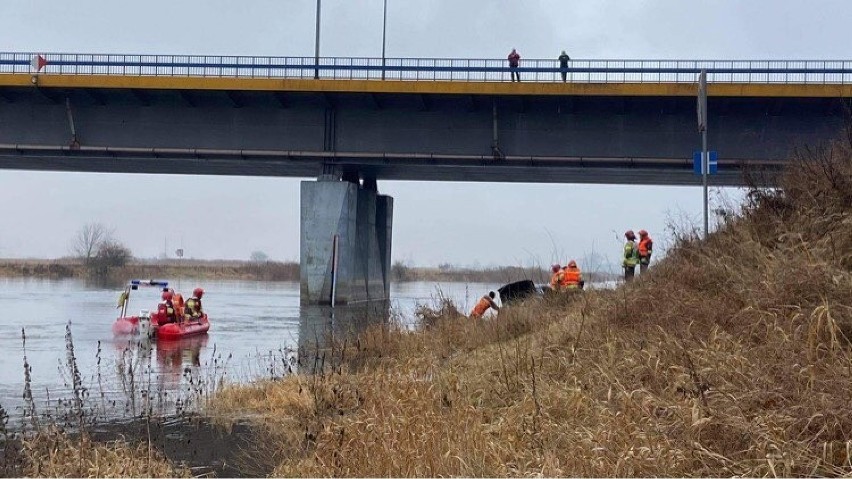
(714, 162)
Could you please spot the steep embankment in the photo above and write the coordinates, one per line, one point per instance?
(732, 358)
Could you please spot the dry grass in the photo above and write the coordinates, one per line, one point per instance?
(732, 358)
(54, 454)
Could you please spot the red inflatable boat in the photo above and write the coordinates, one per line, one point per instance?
(154, 324)
(185, 329)
(125, 326)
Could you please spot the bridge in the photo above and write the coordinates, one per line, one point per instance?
(351, 122)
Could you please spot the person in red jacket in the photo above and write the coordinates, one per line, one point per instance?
(646, 246)
(514, 60)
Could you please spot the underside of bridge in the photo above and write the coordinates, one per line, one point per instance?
(593, 137)
(350, 140)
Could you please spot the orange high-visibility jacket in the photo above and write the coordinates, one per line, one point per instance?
(571, 277)
(177, 300)
(556, 279)
(481, 307)
(645, 247)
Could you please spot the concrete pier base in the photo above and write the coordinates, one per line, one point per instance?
(361, 219)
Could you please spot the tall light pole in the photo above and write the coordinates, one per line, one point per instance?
(384, 36)
(705, 158)
(316, 47)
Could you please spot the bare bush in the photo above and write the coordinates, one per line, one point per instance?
(89, 240)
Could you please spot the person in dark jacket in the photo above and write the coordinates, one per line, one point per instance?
(563, 65)
(514, 60)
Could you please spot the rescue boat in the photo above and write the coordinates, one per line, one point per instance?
(156, 324)
(184, 329)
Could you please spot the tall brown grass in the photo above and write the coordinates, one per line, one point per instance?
(731, 358)
(51, 453)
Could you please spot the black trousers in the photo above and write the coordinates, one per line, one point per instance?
(515, 75)
(629, 273)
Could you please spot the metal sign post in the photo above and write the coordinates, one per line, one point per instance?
(702, 127)
(335, 252)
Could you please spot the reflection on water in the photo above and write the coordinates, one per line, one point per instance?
(174, 356)
(323, 327)
(257, 331)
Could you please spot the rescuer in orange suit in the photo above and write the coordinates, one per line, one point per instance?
(178, 301)
(167, 307)
(646, 246)
(572, 277)
(485, 303)
(556, 276)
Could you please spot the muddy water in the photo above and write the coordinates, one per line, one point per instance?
(256, 331)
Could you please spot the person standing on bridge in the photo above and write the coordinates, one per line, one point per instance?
(646, 246)
(630, 257)
(563, 65)
(514, 61)
(485, 303)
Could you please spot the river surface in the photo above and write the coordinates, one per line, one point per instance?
(256, 331)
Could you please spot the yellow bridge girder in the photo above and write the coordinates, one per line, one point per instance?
(793, 90)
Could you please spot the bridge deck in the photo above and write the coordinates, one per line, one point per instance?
(617, 122)
(135, 82)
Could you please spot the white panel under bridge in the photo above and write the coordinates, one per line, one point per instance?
(345, 242)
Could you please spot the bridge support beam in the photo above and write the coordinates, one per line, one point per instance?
(362, 221)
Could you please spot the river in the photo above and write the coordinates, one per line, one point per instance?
(256, 330)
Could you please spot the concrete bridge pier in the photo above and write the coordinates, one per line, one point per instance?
(361, 220)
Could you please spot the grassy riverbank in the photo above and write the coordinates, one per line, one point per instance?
(731, 358)
(266, 271)
(198, 269)
(497, 274)
(51, 453)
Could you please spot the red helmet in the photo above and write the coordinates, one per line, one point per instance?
(555, 267)
(629, 234)
(198, 292)
(167, 295)
(643, 233)
(572, 264)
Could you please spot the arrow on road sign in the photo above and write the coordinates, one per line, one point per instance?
(38, 62)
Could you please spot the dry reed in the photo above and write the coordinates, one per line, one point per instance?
(51, 453)
(731, 358)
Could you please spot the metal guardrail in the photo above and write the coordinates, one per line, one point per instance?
(433, 69)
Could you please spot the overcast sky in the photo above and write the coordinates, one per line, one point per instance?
(461, 223)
